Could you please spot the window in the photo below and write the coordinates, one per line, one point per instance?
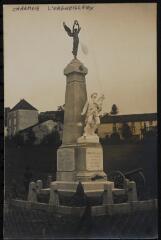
(14, 121)
(133, 127)
(114, 128)
(150, 123)
(14, 130)
(9, 131)
(9, 122)
(141, 124)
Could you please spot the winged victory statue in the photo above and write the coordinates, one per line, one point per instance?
(74, 33)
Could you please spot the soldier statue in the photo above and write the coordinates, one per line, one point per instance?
(92, 110)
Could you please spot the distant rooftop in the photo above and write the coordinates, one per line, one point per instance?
(36, 124)
(23, 105)
(128, 118)
(48, 112)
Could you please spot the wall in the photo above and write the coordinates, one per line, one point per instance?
(12, 123)
(26, 118)
(104, 129)
(21, 119)
(5, 131)
(107, 128)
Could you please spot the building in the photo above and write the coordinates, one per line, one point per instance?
(41, 130)
(137, 123)
(57, 116)
(21, 116)
(6, 111)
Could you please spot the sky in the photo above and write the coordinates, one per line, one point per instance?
(121, 57)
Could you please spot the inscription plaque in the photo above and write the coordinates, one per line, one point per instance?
(65, 160)
(94, 159)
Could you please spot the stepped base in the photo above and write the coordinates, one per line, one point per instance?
(76, 193)
(89, 187)
(108, 209)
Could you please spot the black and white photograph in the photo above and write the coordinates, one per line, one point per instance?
(80, 126)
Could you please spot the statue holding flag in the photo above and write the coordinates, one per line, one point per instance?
(92, 110)
(74, 34)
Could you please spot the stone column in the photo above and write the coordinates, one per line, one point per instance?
(132, 192)
(32, 195)
(107, 195)
(39, 185)
(77, 161)
(54, 196)
(49, 180)
(75, 99)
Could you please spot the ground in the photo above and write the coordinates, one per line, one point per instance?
(20, 223)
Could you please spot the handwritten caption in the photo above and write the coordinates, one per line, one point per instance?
(69, 8)
(54, 7)
(26, 8)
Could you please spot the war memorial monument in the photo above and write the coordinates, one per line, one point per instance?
(80, 178)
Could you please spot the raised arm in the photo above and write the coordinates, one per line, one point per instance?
(68, 30)
(79, 28)
(76, 24)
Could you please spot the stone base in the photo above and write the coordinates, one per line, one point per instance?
(87, 186)
(88, 139)
(81, 162)
(81, 176)
(66, 190)
(88, 176)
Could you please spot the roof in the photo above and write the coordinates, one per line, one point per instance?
(36, 124)
(29, 128)
(23, 105)
(129, 118)
(48, 112)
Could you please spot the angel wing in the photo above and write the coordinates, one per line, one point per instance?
(68, 30)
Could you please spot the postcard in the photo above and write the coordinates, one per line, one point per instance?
(80, 95)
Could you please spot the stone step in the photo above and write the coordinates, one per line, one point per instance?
(45, 191)
(118, 191)
(89, 185)
(43, 195)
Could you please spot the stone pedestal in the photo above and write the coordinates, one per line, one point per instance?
(79, 159)
(88, 139)
(80, 163)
